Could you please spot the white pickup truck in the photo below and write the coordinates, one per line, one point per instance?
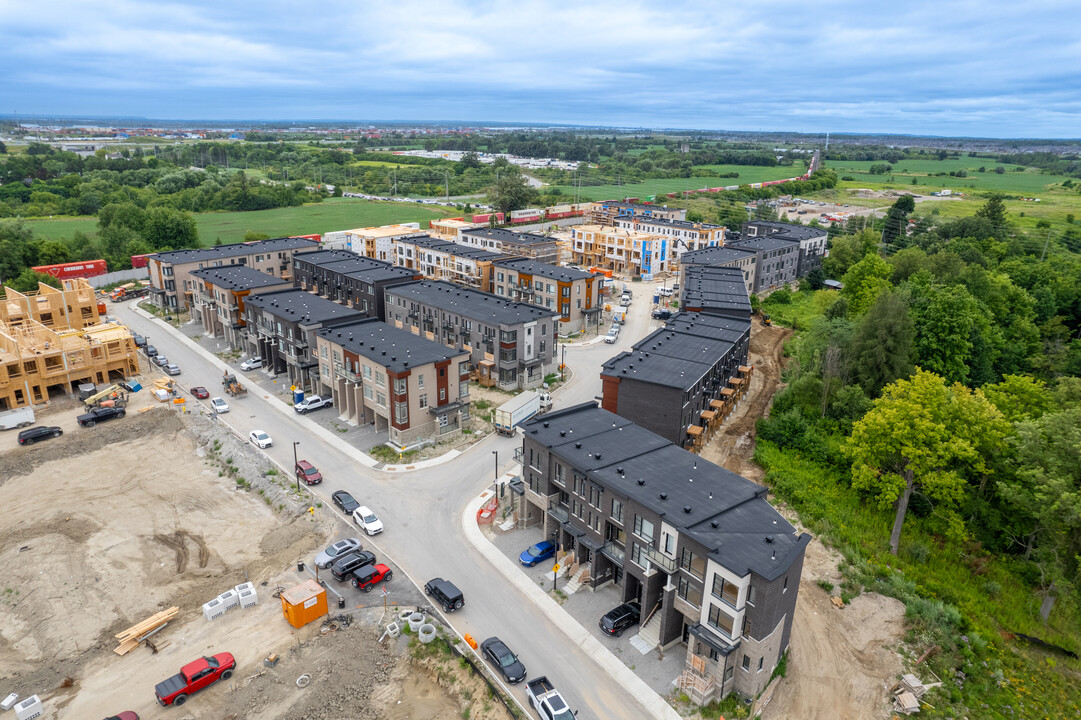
(312, 402)
(546, 700)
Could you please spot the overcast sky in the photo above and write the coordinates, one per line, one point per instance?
(943, 67)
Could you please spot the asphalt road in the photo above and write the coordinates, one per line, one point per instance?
(421, 511)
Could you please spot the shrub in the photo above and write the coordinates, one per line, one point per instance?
(825, 585)
(992, 588)
(781, 297)
(917, 552)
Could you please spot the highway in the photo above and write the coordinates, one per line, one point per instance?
(422, 511)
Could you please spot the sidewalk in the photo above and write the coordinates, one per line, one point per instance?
(651, 702)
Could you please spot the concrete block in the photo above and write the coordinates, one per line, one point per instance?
(230, 598)
(214, 609)
(28, 709)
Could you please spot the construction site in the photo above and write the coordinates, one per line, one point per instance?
(53, 340)
(106, 585)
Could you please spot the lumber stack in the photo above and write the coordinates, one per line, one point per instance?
(130, 638)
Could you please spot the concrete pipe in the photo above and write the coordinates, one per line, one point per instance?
(416, 620)
(426, 633)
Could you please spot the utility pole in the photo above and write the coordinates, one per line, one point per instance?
(446, 184)
(1045, 245)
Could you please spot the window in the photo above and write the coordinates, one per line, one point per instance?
(617, 511)
(380, 399)
(720, 620)
(442, 395)
(725, 590)
(636, 555)
(423, 401)
(559, 470)
(752, 595)
(399, 386)
(420, 381)
(729, 673)
(760, 663)
(401, 412)
(747, 663)
(442, 421)
(368, 391)
(508, 336)
(463, 389)
(747, 626)
(689, 592)
(669, 544)
(367, 373)
(694, 564)
(643, 528)
(380, 379)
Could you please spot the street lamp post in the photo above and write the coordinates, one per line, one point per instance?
(496, 453)
(295, 443)
(563, 361)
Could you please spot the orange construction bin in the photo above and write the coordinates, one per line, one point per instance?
(304, 603)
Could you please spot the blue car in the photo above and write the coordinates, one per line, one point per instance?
(535, 553)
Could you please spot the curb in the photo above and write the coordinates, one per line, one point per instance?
(651, 702)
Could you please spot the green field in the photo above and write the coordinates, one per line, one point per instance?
(332, 214)
(754, 174)
(747, 174)
(1029, 182)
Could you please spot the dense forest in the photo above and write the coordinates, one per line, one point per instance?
(931, 429)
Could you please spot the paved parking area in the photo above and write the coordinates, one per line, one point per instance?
(656, 668)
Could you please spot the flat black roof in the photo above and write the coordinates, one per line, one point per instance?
(789, 230)
(726, 513)
(451, 248)
(397, 350)
(715, 255)
(716, 289)
(535, 267)
(238, 277)
(473, 304)
(356, 266)
(509, 236)
(220, 252)
(657, 369)
(296, 305)
(765, 243)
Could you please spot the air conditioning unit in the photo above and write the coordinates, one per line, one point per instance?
(28, 709)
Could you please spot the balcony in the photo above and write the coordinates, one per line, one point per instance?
(347, 374)
(558, 512)
(519, 456)
(613, 552)
(660, 561)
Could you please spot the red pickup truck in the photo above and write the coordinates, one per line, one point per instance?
(193, 677)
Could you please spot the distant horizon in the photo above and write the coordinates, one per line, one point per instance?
(969, 70)
(322, 123)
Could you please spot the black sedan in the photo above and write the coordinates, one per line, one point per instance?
(497, 653)
(41, 432)
(619, 619)
(345, 501)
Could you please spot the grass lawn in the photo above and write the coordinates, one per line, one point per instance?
(329, 215)
(667, 185)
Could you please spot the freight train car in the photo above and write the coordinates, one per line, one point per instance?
(64, 271)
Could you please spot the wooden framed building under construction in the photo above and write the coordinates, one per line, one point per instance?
(51, 341)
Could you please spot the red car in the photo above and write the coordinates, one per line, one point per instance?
(308, 473)
(200, 392)
(193, 677)
(365, 577)
(126, 715)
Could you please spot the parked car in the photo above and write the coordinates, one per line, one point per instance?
(535, 553)
(662, 314)
(308, 473)
(508, 664)
(140, 341)
(546, 700)
(252, 363)
(348, 563)
(445, 593)
(260, 438)
(327, 557)
(172, 369)
(616, 620)
(345, 501)
(160, 360)
(200, 392)
(613, 334)
(193, 677)
(664, 291)
(151, 351)
(367, 520)
(312, 402)
(219, 405)
(99, 414)
(365, 578)
(41, 432)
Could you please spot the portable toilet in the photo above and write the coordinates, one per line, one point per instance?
(298, 396)
(304, 603)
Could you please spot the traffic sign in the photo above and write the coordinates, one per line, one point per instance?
(556, 568)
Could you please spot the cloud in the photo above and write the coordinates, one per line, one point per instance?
(972, 68)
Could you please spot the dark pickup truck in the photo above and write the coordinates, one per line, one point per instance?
(99, 414)
(193, 677)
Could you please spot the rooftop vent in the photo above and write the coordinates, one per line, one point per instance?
(562, 433)
(664, 496)
(769, 539)
(619, 469)
(713, 523)
(687, 509)
(641, 481)
(545, 424)
(578, 446)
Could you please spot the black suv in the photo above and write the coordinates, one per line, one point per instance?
(621, 618)
(445, 592)
(41, 432)
(99, 414)
(345, 565)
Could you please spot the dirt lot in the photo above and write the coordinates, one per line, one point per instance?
(102, 530)
(841, 661)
